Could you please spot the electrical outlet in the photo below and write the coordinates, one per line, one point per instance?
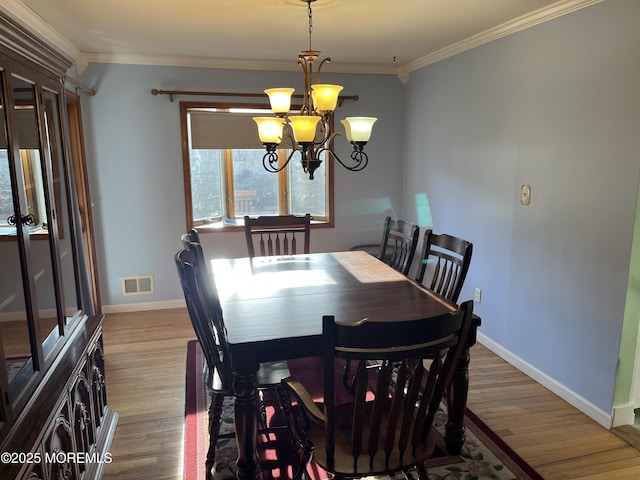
(478, 296)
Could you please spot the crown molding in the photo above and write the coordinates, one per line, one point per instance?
(30, 20)
(542, 15)
(45, 32)
(205, 62)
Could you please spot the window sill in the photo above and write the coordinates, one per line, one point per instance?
(238, 226)
(9, 233)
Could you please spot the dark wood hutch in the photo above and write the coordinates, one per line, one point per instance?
(54, 419)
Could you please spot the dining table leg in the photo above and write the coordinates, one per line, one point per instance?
(246, 404)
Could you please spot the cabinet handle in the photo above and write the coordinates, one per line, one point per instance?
(24, 220)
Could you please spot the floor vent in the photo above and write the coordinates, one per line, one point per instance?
(140, 285)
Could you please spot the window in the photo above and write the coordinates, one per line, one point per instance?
(224, 174)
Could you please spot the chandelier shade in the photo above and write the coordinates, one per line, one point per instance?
(358, 129)
(311, 132)
(270, 129)
(304, 127)
(280, 99)
(325, 97)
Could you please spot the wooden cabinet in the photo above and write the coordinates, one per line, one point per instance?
(66, 431)
(55, 422)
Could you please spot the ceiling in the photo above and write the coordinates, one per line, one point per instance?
(373, 36)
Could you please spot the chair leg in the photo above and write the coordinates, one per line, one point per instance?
(287, 411)
(262, 415)
(305, 460)
(215, 413)
(422, 471)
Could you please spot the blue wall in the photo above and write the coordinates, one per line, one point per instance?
(135, 165)
(557, 107)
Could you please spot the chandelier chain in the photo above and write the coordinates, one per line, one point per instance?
(310, 13)
(311, 132)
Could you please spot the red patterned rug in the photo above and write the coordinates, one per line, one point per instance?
(484, 455)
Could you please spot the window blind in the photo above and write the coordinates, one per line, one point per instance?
(213, 130)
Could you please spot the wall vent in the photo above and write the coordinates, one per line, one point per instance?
(139, 285)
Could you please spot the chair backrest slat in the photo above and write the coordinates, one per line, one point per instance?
(394, 405)
(277, 235)
(444, 264)
(398, 244)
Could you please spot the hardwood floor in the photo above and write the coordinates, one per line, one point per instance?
(145, 355)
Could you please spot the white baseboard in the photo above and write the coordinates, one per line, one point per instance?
(598, 415)
(141, 307)
(623, 415)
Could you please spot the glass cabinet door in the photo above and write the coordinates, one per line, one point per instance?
(37, 185)
(39, 294)
(14, 327)
(60, 198)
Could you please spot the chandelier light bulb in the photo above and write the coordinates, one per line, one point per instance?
(325, 97)
(358, 129)
(304, 127)
(270, 129)
(280, 99)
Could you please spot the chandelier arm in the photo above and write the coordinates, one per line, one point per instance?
(306, 72)
(270, 161)
(288, 158)
(289, 141)
(326, 137)
(358, 156)
(326, 60)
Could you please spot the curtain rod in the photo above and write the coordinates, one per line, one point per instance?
(173, 93)
(80, 86)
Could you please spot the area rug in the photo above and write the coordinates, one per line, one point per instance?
(484, 455)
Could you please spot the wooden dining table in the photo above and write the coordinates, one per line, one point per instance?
(273, 308)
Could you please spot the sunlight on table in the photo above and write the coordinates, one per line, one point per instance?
(243, 283)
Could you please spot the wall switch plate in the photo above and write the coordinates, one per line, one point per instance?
(478, 295)
(525, 194)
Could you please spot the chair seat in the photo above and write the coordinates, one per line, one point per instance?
(343, 462)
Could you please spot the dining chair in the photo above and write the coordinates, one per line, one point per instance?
(277, 235)
(444, 264)
(191, 241)
(205, 313)
(388, 426)
(397, 249)
(191, 236)
(398, 245)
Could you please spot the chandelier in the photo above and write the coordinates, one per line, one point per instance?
(311, 132)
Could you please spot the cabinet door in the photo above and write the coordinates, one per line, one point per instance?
(59, 446)
(30, 152)
(98, 384)
(84, 432)
(20, 347)
(39, 294)
(60, 198)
